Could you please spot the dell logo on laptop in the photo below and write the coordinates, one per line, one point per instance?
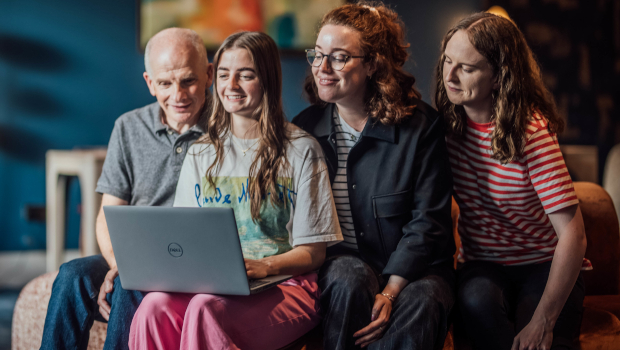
(175, 250)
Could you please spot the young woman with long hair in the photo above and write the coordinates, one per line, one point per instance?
(390, 283)
(274, 176)
(521, 229)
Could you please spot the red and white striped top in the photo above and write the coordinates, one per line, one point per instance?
(504, 208)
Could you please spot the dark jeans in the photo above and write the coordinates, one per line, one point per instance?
(73, 307)
(496, 302)
(419, 318)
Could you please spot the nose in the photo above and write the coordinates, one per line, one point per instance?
(451, 75)
(325, 65)
(179, 92)
(234, 82)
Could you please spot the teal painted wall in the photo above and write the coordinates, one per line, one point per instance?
(69, 68)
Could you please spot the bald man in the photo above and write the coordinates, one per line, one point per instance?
(145, 155)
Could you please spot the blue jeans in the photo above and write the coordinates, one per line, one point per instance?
(73, 307)
(419, 318)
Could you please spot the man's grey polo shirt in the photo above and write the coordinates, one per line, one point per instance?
(144, 158)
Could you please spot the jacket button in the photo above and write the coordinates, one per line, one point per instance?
(333, 140)
(361, 234)
(354, 187)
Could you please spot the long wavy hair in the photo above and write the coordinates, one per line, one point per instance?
(270, 156)
(521, 89)
(390, 90)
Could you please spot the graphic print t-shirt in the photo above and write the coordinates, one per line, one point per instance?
(304, 212)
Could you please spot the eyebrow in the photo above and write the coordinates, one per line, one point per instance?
(336, 49)
(239, 70)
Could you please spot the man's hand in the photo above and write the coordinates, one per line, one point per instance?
(106, 287)
(537, 335)
(380, 316)
(256, 268)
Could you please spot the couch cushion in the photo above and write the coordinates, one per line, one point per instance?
(29, 316)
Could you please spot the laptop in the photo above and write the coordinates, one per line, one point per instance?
(189, 250)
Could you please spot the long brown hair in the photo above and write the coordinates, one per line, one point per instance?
(521, 89)
(270, 156)
(382, 40)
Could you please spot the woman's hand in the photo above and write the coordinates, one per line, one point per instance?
(379, 318)
(381, 311)
(256, 268)
(537, 335)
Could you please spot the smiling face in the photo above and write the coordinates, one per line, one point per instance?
(347, 86)
(467, 76)
(238, 86)
(179, 80)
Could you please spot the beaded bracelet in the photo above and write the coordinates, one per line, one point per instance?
(390, 297)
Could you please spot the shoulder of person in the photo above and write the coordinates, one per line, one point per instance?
(143, 115)
(308, 118)
(302, 141)
(537, 123)
(423, 115)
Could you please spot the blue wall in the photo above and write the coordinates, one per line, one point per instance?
(69, 68)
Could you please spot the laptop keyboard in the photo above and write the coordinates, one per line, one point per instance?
(257, 283)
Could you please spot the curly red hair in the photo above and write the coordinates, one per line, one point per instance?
(390, 90)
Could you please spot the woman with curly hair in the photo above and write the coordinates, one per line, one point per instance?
(274, 177)
(390, 283)
(521, 228)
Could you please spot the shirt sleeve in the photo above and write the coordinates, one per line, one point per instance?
(116, 176)
(188, 189)
(315, 219)
(548, 172)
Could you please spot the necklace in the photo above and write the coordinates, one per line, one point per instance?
(241, 148)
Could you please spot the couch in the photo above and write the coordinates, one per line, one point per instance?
(600, 328)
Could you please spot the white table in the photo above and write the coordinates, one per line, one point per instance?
(86, 165)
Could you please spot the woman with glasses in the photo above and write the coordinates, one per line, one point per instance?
(390, 283)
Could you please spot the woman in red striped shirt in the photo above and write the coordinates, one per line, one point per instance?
(522, 232)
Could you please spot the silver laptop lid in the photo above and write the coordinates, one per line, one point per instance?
(191, 250)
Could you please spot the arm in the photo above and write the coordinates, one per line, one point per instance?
(428, 235)
(565, 267)
(105, 245)
(103, 236)
(301, 259)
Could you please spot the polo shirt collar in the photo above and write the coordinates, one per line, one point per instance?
(325, 126)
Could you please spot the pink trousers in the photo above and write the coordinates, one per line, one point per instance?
(267, 320)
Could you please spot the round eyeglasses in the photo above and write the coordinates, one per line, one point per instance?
(337, 62)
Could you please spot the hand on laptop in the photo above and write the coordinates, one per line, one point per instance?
(107, 287)
(256, 268)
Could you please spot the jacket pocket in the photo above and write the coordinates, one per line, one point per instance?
(391, 205)
(392, 211)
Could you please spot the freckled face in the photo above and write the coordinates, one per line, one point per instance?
(467, 75)
(238, 86)
(348, 85)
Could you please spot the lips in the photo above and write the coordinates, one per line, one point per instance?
(180, 107)
(453, 89)
(327, 81)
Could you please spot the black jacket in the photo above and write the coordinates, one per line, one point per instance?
(400, 188)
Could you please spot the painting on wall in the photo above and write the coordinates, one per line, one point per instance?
(291, 23)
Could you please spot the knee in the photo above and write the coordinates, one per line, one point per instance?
(202, 304)
(156, 306)
(431, 295)
(348, 274)
(78, 268)
(477, 295)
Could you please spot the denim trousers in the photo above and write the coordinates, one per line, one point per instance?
(73, 307)
(419, 318)
(496, 302)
